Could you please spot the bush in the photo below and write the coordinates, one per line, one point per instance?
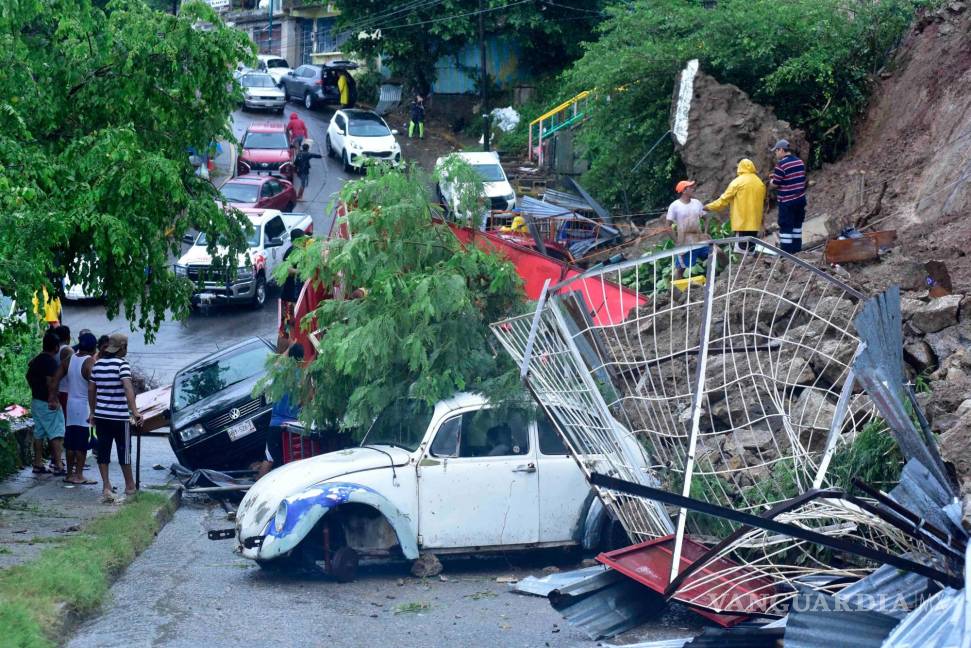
(368, 86)
(811, 60)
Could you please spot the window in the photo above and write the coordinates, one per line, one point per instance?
(271, 188)
(401, 424)
(483, 433)
(277, 63)
(550, 442)
(302, 71)
(257, 81)
(274, 228)
(214, 376)
(489, 172)
(239, 192)
(275, 140)
(368, 126)
(308, 72)
(341, 124)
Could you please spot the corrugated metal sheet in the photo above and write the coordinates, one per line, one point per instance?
(562, 580)
(888, 590)
(541, 209)
(389, 98)
(943, 621)
(606, 604)
(920, 492)
(817, 620)
(567, 200)
(744, 636)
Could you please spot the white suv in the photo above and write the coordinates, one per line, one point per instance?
(275, 66)
(499, 193)
(356, 135)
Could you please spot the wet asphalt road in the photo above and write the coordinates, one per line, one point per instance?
(186, 590)
(180, 343)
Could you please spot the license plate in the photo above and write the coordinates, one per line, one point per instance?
(240, 430)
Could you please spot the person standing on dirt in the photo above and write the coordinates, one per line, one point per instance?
(297, 130)
(789, 180)
(417, 116)
(76, 371)
(111, 396)
(301, 165)
(44, 406)
(745, 195)
(685, 216)
(284, 411)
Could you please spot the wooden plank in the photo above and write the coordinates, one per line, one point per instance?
(153, 406)
(883, 239)
(851, 250)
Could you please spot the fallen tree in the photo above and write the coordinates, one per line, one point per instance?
(415, 320)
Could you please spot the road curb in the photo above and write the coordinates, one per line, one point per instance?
(69, 620)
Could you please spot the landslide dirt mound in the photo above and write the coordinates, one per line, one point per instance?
(910, 166)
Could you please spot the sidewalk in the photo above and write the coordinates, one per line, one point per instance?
(37, 510)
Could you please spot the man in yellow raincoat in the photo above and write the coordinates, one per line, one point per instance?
(746, 197)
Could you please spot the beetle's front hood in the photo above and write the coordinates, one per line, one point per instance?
(261, 501)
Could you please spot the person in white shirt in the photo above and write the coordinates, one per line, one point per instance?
(685, 215)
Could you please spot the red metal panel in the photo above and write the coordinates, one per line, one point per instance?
(649, 563)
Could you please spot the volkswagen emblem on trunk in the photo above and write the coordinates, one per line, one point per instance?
(234, 413)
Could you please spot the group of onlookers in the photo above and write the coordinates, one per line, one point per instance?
(745, 198)
(82, 398)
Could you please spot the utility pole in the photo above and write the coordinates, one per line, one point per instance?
(484, 78)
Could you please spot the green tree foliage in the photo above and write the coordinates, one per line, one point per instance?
(416, 34)
(100, 103)
(417, 325)
(811, 60)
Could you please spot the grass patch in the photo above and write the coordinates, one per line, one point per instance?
(75, 573)
(412, 608)
(873, 456)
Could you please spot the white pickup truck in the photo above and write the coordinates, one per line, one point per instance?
(268, 244)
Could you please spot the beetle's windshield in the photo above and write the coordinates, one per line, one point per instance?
(402, 424)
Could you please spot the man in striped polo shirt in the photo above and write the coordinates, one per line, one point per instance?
(111, 397)
(789, 180)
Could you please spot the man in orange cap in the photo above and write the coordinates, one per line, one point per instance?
(685, 215)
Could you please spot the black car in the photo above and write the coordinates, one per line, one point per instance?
(316, 85)
(215, 420)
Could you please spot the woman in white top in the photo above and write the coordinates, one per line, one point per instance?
(76, 370)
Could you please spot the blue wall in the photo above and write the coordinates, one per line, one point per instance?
(502, 62)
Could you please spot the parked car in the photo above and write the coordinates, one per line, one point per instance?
(460, 477)
(266, 147)
(356, 135)
(261, 91)
(267, 245)
(316, 85)
(215, 420)
(275, 66)
(498, 192)
(259, 192)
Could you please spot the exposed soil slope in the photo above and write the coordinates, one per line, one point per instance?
(910, 167)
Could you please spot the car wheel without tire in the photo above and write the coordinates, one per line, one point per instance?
(343, 565)
(308, 101)
(330, 149)
(259, 292)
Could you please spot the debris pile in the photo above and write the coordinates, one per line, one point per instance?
(720, 425)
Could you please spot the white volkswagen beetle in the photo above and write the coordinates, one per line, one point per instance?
(462, 477)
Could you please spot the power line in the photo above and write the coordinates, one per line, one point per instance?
(369, 21)
(453, 17)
